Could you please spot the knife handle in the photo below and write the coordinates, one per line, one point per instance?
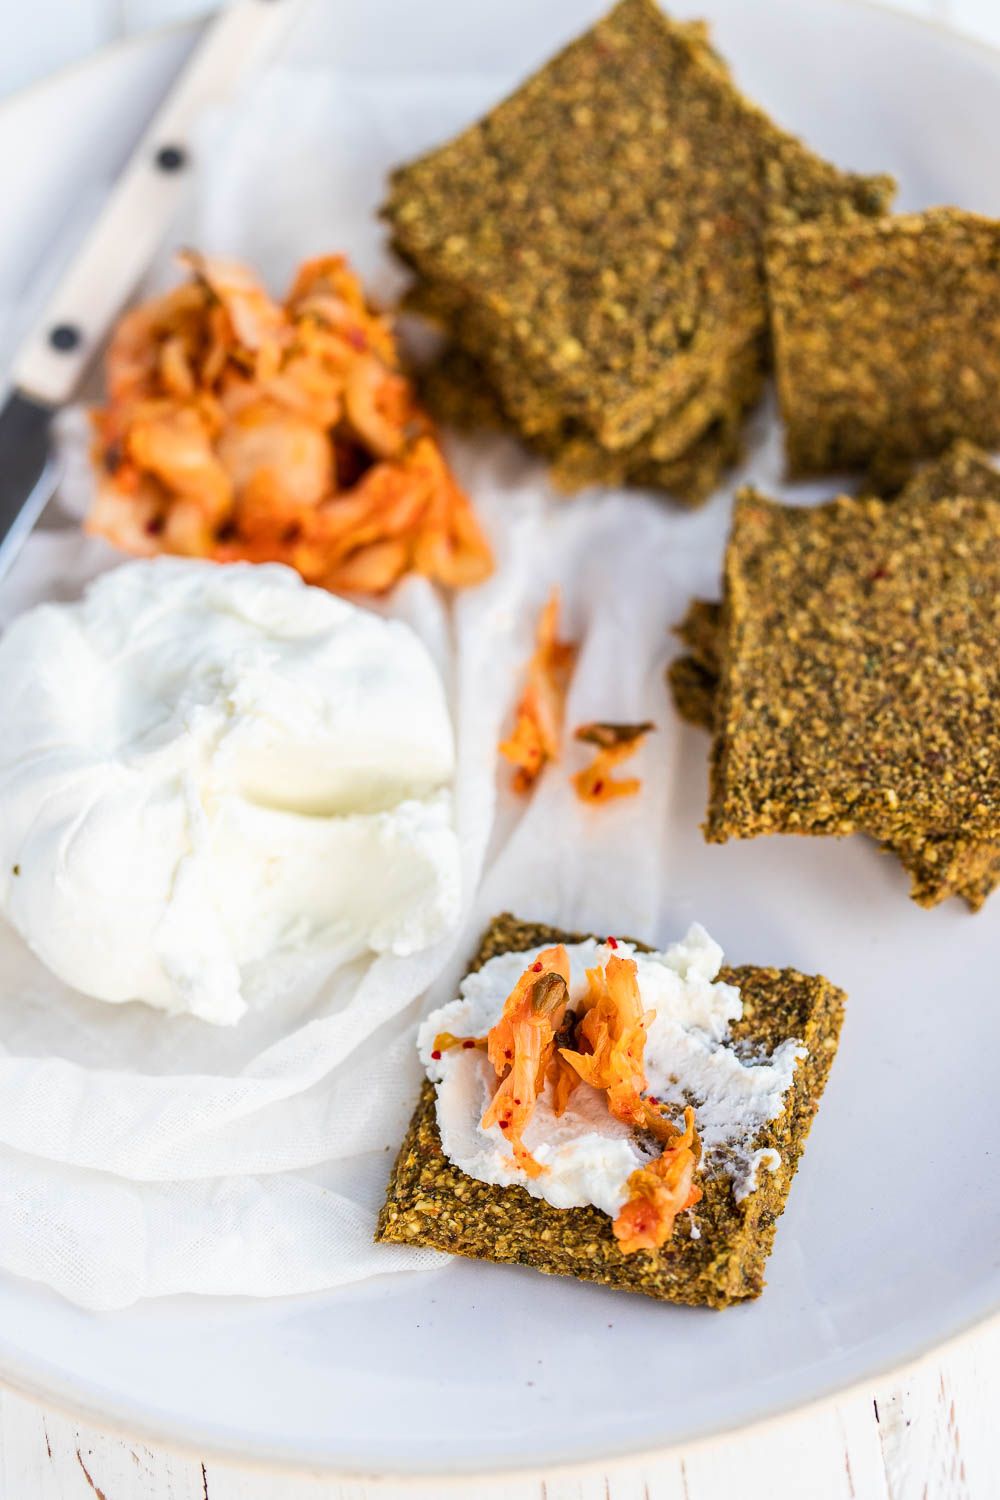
(137, 216)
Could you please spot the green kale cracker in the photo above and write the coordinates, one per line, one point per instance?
(432, 1202)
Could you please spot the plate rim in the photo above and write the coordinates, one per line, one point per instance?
(267, 1459)
(65, 1395)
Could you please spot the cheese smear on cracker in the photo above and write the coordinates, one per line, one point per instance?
(690, 1058)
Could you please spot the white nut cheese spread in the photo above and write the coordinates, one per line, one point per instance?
(204, 765)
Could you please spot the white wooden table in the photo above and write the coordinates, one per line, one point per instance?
(930, 1433)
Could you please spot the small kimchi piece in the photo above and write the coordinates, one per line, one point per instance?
(615, 743)
(564, 1079)
(562, 1076)
(657, 1193)
(611, 1039)
(240, 428)
(537, 734)
(611, 1046)
(521, 1046)
(255, 321)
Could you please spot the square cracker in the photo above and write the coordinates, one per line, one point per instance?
(860, 679)
(940, 865)
(432, 1202)
(886, 338)
(946, 865)
(607, 219)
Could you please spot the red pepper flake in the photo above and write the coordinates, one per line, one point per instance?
(611, 942)
(436, 1055)
(598, 788)
(508, 1054)
(504, 1124)
(536, 968)
(517, 1101)
(468, 1042)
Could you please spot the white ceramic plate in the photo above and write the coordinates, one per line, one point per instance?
(891, 1242)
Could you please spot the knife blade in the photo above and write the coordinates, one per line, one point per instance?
(28, 471)
(116, 252)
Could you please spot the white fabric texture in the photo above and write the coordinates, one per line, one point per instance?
(142, 1155)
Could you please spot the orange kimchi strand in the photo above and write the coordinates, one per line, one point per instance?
(611, 1045)
(658, 1192)
(610, 1055)
(537, 734)
(527, 1049)
(562, 1077)
(521, 1046)
(238, 427)
(615, 743)
(563, 1080)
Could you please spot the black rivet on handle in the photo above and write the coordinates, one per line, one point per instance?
(170, 158)
(64, 337)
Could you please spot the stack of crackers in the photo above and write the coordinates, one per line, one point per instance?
(594, 249)
(851, 676)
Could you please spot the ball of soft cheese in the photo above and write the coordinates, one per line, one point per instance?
(205, 765)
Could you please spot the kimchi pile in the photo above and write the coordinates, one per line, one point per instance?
(240, 428)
